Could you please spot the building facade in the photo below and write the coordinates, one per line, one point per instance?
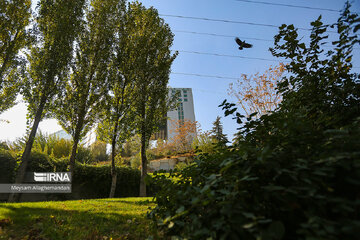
(185, 109)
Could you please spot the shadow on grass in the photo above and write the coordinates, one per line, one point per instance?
(23, 222)
(139, 203)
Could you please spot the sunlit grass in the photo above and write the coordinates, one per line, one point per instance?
(123, 218)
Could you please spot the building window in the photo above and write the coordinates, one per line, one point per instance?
(185, 100)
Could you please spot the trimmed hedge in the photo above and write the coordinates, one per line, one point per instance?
(95, 181)
(89, 181)
(8, 164)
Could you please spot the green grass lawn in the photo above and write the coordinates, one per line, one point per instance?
(105, 219)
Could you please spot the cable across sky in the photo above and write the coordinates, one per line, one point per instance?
(232, 36)
(232, 56)
(232, 21)
(289, 5)
(202, 75)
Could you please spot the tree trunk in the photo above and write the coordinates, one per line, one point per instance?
(76, 140)
(113, 169)
(143, 165)
(73, 155)
(26, 154)
(113, 184)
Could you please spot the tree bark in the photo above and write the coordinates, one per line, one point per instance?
(73, 155)
(26, 154)
(143, 165)
(76, 141)
(113, 169)
(113, 185)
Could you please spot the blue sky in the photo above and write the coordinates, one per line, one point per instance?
(210, 92)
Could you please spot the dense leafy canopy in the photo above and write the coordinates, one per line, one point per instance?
(14, 18)
(88, 81)
(87, 84)
(56, 27)
(149, 59)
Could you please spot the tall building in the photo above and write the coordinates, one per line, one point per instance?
(185, 110)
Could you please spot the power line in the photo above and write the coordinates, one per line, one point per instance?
(221, 35)
(230, 21)
(289, 5)
(232, 56)
(202, 75)
(206, 76)
(224, 20)
(235, 56)
(233, 36)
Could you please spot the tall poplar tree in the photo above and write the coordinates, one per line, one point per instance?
(88, 82)
(14, 18)
(56, 26)
(150, 41)
(117, 122)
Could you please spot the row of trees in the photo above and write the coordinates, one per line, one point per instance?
(85, 62)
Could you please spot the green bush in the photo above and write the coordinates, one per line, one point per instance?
(39, 162)
(121, 161)
(292, 174)
(131, 147)
(88, 181)
(8, 164)
(279, 192)
(61, 148)
(135, 161)
(98, 152)
(4, 146)
(204, 143)
(95, 181)
(48, 144)
(180, 166)
(84, 155)
(151, 155)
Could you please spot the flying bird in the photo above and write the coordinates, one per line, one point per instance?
(242, 44)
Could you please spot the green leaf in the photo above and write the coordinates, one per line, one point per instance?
(277, 230)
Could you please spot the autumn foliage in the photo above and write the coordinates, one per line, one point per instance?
(184, 132)
(257, 93)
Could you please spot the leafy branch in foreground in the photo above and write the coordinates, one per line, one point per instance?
(294, 173)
